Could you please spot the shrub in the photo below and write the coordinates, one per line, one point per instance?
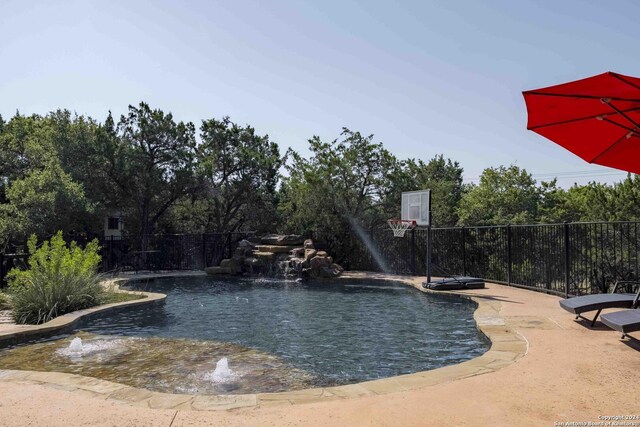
(4, 301)
(60, 279)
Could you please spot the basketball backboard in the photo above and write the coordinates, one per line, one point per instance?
(416, 206)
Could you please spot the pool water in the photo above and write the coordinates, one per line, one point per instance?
(277, 335)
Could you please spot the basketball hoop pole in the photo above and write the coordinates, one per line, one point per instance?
(429, 238)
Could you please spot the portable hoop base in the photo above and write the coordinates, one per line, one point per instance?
(400, 226)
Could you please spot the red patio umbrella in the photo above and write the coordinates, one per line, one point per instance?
(597, 118)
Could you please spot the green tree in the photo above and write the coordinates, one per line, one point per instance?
(602, 202)
(77, 142)
(626, 199)
(44, 201)
(149, 161)
(554, 204)
(36, 194)
(343, 182)
(25, 144)
(238, 171)
(442, 176)
(503, 196)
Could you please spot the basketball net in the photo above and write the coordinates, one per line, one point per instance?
(400, 226)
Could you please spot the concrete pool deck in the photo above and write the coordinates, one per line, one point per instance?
(542, 367)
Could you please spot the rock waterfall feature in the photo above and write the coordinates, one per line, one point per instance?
(278, 255)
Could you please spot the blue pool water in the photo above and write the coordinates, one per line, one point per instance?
(340, 332)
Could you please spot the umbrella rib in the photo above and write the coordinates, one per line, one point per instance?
(634, 130)
(622, 79)
(582, 118)
(622, 113)
(608, 148)
(564, 95)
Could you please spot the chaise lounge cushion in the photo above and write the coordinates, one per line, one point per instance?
(586, 303)
(624, 321)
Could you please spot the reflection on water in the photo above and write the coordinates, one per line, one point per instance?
(163, 364)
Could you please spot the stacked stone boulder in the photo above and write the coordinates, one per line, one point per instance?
(278, 255)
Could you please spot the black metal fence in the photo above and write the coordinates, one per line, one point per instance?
(570, 258)
(163, 252)
(170, 251)
(377, 250)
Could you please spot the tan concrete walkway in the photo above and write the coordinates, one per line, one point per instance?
(569, 374)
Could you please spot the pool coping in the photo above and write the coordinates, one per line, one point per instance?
(507, 346)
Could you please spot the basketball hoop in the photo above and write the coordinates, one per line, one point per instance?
(400, 226)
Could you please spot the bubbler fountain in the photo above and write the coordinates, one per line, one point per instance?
(76, 345)
(222, 373)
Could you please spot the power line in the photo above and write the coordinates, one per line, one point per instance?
(579, 173)
(568, 174)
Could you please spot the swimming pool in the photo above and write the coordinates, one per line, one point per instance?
(276, 335)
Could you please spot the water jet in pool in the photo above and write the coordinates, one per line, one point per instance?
(222, 373)
(76, 345)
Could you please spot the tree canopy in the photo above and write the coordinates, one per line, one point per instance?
(237, 172)
(37, 195)
(344, 180)
(150, 164)
(64, 171)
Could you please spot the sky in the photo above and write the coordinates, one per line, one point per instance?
(425, 77)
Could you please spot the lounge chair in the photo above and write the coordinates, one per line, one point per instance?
(598, 302)
(624, 321)
(454, 283)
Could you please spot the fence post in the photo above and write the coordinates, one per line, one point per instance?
(111, 263)
(509, 259)
(413, 252)
(429, 241)
(429, 248)
(204, 251)
(567, 248)
(464, 251)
